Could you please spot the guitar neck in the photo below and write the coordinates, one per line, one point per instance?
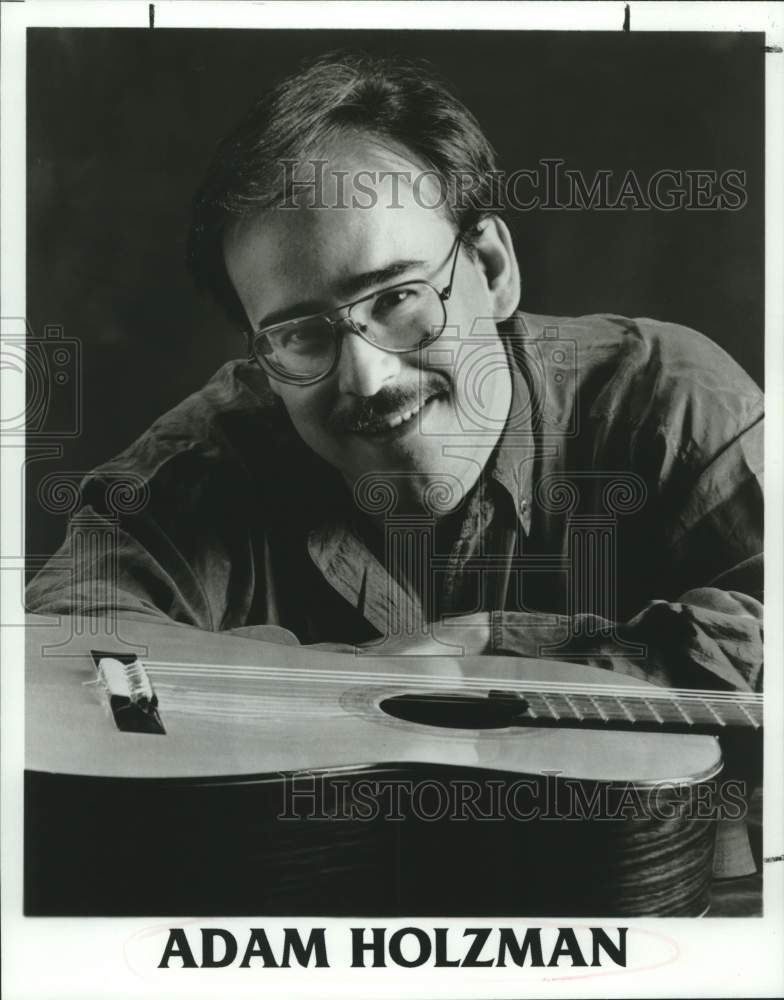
(671, 710)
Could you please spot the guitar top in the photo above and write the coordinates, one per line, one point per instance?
(215, 705)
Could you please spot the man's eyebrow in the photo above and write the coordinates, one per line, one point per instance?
(346, 289)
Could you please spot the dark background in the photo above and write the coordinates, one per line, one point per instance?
(121, 124)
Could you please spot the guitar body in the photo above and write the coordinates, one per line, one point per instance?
(289, 781)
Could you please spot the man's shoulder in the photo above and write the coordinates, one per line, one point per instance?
(635, 342)
(638, 392)
(616, 362)
(230, 419)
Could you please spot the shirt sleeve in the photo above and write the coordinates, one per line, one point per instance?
(182, 556)
(710, 639)
(102, 569)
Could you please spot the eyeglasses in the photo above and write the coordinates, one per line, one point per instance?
(397, 319)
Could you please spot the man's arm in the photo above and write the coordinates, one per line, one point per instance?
(102, 569)
(710, 638)
(183, 554)
(122, 577)
(711, 634)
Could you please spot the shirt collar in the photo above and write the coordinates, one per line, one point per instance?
(511, 463)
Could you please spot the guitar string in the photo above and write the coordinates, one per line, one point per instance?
(639, 702)
(257, 708)
(252, 670)
(271, 706)
(212, 694)
(667, 700)
(380, 679)
(622, 695)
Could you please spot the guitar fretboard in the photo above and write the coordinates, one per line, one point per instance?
(679, 710)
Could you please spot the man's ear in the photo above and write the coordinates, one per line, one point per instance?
(496, 258)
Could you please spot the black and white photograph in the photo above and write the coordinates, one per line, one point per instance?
(387, 434)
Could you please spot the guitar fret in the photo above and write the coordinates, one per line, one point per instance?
(604, 716)
(637, 709)
(748, 715)
(713, 712)
(684, 713)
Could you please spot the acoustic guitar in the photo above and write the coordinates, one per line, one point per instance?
(171, 771)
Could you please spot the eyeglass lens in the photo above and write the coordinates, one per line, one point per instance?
(397, 319)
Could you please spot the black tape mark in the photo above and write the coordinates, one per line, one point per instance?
(774, 857)
(773, 48)
(627, 17)
(152, 15)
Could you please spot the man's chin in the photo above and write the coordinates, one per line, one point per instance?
(414, 465)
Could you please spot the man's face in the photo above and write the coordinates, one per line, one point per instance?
(419, 417)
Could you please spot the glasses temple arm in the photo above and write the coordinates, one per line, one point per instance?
(448, 290)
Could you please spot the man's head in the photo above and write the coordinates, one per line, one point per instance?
(353, 176)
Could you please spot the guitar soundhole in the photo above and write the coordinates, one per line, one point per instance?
(496, 710)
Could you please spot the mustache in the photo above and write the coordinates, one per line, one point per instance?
(370, 413)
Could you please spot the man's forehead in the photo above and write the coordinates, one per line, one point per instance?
(355, 184)
(308, 253)
(354, 158)
(341, 238)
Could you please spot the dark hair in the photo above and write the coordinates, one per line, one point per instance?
(392, 99)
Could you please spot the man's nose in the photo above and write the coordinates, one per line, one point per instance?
(364, 368)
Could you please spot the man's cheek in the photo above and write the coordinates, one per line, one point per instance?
(308, 412)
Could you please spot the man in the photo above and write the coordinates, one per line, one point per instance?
(405, 461)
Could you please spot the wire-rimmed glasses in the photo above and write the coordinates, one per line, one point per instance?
(399, 318)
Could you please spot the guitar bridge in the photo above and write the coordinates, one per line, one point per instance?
(128, 693)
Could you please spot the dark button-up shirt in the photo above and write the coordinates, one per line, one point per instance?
(618, 520)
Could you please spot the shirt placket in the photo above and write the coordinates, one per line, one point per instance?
(350, 568)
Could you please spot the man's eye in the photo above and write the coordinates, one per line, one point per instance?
(298, 337)
(395, 299)
(305, 338)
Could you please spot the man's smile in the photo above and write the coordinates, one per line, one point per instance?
(397, 423)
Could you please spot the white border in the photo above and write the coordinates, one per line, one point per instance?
(98, 958)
